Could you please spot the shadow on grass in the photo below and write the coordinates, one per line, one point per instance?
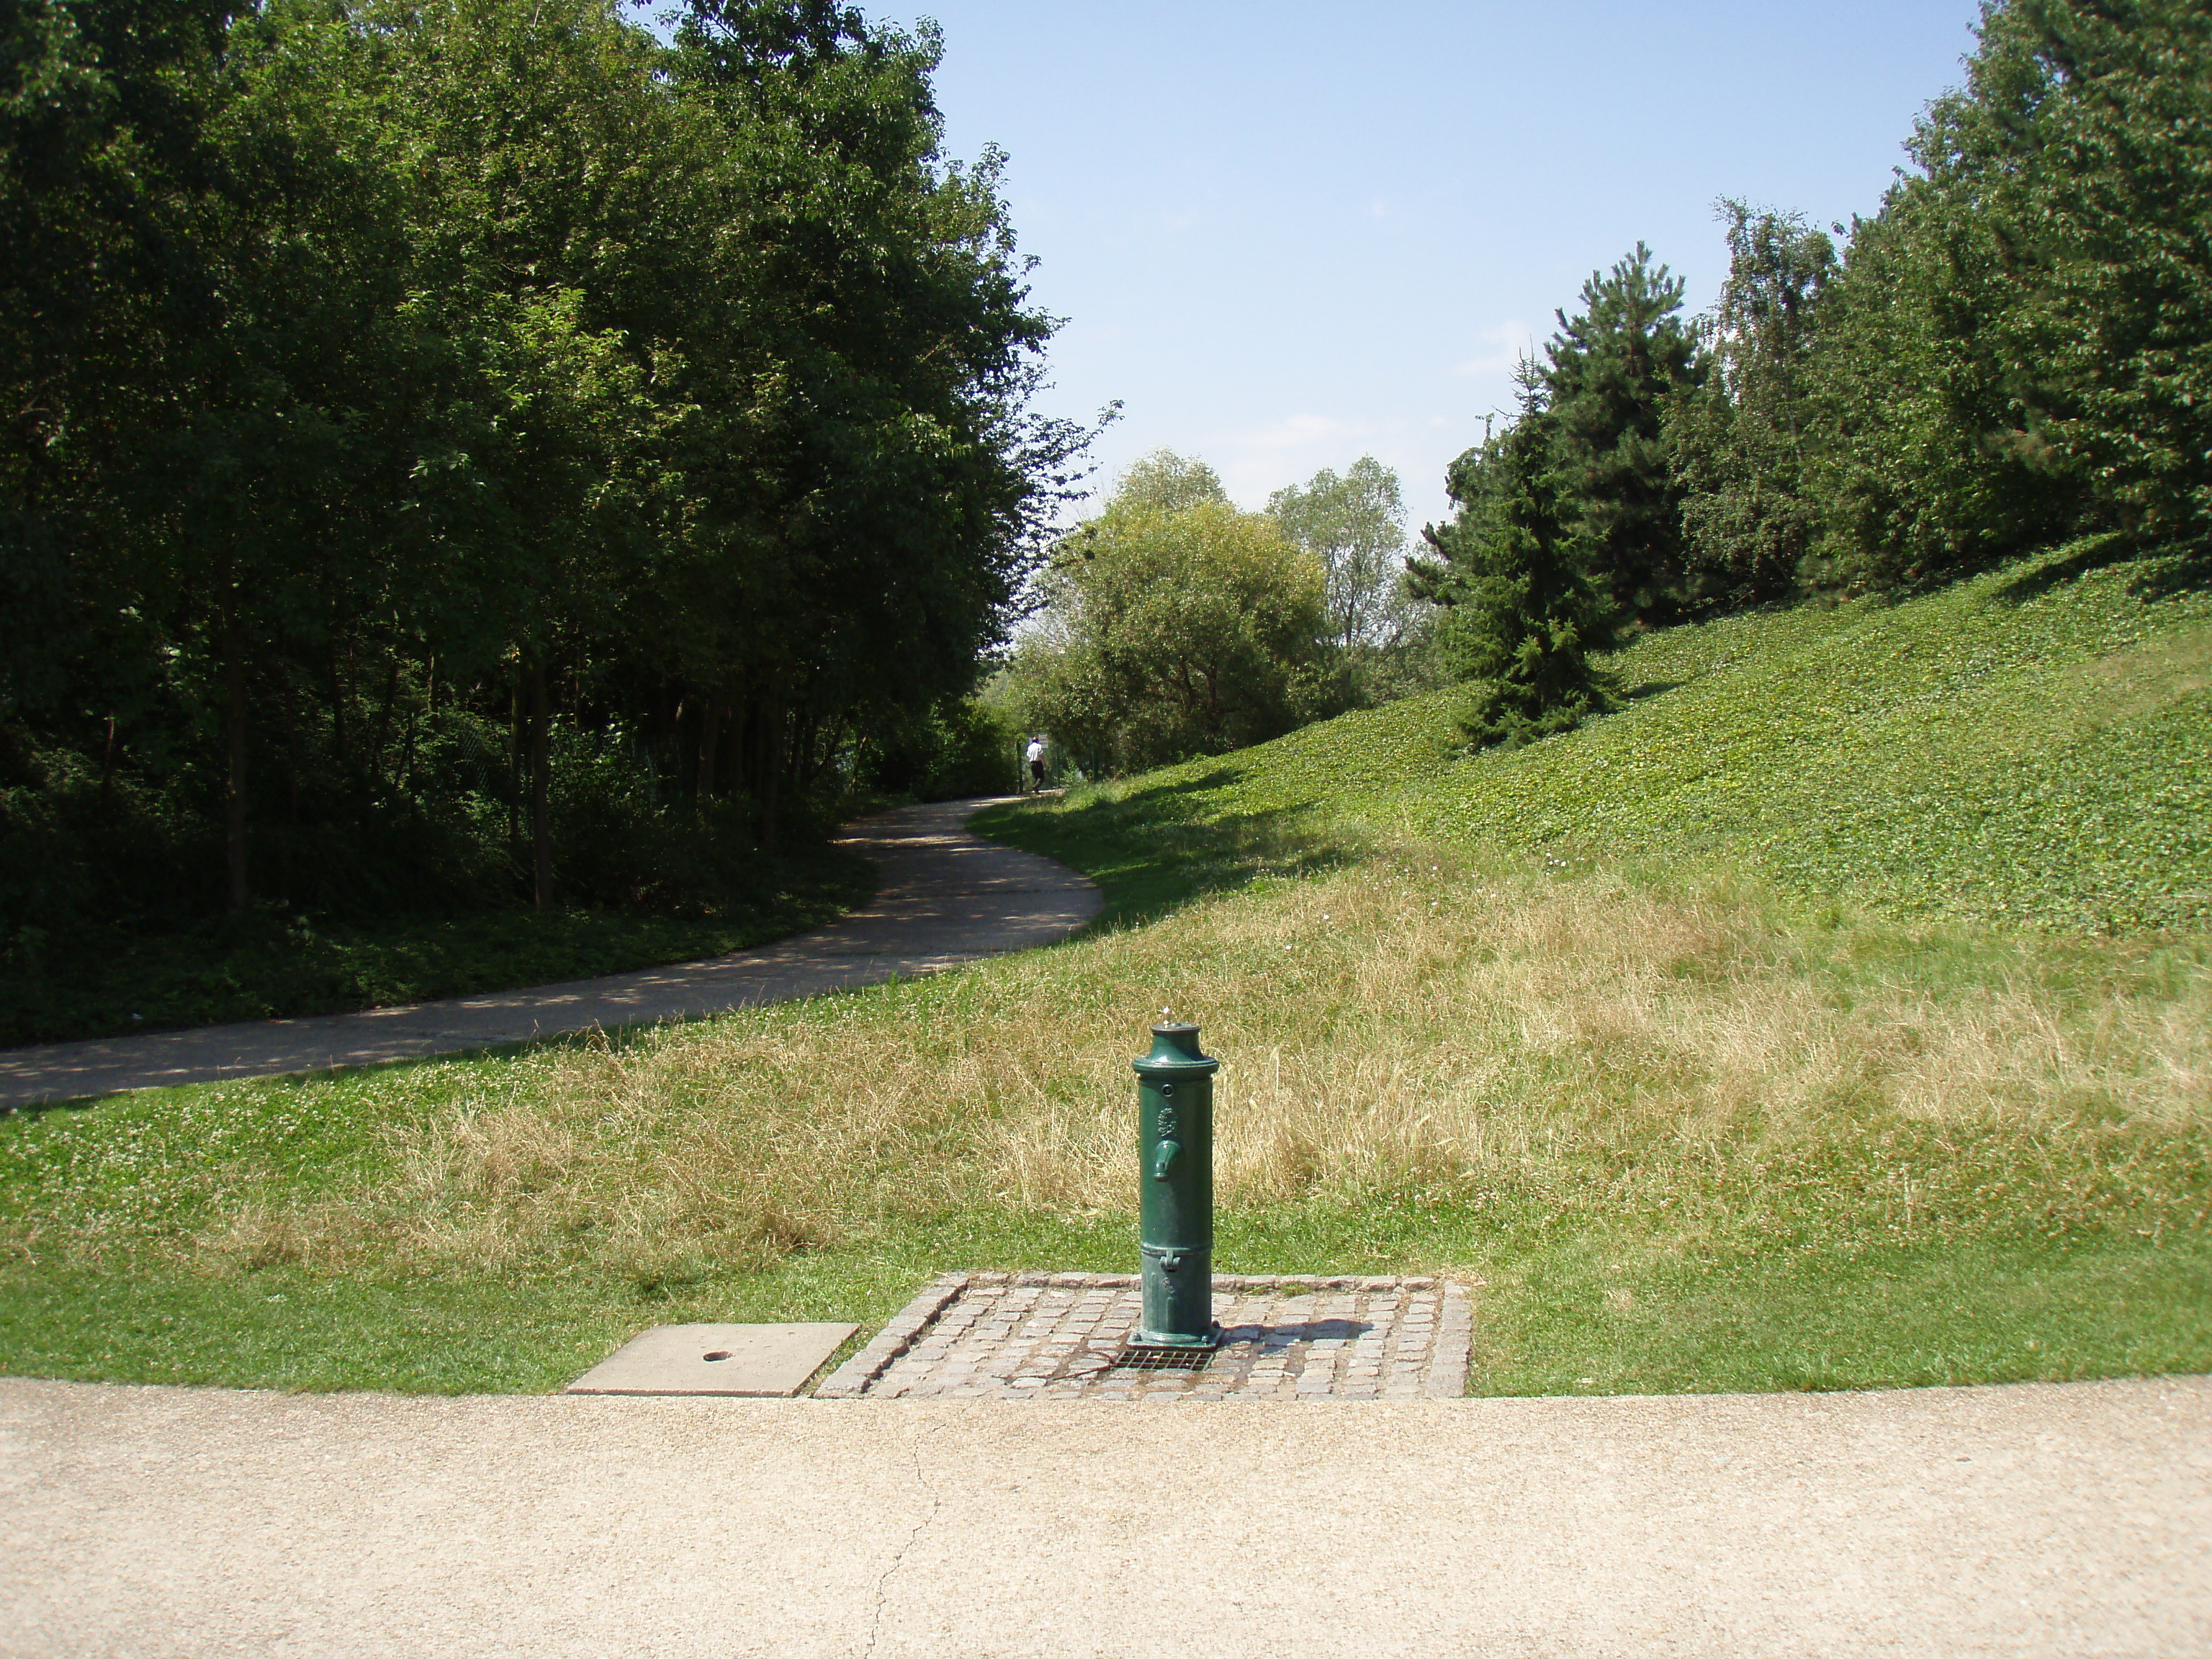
(109, 982)
(2186, 570)
(1156, 849)
(2165, 570)
(2093, 554)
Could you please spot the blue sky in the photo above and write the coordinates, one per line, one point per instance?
(1286, 235)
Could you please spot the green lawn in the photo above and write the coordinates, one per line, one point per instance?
(1837, 1015)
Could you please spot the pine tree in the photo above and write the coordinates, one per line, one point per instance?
(1525, 618)
(1739, 446)
(1611, 370)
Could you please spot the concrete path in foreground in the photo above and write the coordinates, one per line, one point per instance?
(2067, 1519)
(948, 897)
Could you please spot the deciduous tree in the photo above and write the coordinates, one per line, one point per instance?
(1175, 630)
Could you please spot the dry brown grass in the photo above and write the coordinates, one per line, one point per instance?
(1386, 1030)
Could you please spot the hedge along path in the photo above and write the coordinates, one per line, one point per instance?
(948, 898)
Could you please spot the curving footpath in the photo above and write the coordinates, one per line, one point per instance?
(177, 1523)
(947, 897)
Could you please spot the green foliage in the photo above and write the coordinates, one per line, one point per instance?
(966, 750)
(2011, 353)
(983, 752)
(1171, 630)
(1353, 526)
(1926, 469)
(1524, 618)
(1609, 374)
(2085, 138)
(500, 366)
(1739, 444)
(1164, 482)
(2014, 348)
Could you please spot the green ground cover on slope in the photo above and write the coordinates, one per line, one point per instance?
(1687, 1116)
(2030, 746)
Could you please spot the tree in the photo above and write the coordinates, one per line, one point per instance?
(2084, 134)
(1927, 463)
(1164, 482)
(2016, 349)
(1355, 526)
(495, 374)
(1610, 372)
(1738, 445)
(1525, 618)
(878, 452)
(1168, 632)
(103, 164)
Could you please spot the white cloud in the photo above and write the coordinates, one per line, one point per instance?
(1503, 346)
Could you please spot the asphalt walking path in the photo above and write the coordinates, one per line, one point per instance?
(2040, 1519)
(2069, 1519)
(947, 897)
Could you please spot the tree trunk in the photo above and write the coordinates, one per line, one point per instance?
(710, 740)
(771, 770)
(107, 769)
(515, 764)
(746, 757)
(295, 762)
(541, 781)
(384, 724)
(233, 744)
(340, 746)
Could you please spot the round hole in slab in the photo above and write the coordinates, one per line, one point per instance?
(719, 1353)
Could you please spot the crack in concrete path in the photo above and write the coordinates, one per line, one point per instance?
(948, 897)
(914, 1537)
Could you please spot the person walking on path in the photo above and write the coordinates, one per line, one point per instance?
(1036, 765)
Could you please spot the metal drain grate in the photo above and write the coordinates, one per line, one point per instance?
(1133, 1359)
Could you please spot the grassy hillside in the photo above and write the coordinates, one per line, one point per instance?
(2034, 746)
(1580, 1025)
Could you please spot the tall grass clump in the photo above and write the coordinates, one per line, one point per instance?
(1534, 1061)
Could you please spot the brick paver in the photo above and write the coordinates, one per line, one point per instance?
(1055, 1335)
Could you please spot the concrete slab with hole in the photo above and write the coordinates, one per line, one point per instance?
(759, 1362)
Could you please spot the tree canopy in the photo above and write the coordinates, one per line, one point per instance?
(1610, 372)
(1526, 614)
(1175, 624)
(408, 405)
(1355, 526)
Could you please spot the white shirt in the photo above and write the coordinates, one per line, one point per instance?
(1036, 751)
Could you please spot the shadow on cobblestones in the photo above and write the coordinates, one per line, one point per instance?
(1036, 1336)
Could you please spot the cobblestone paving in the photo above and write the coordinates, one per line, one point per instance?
(1056, 1335)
